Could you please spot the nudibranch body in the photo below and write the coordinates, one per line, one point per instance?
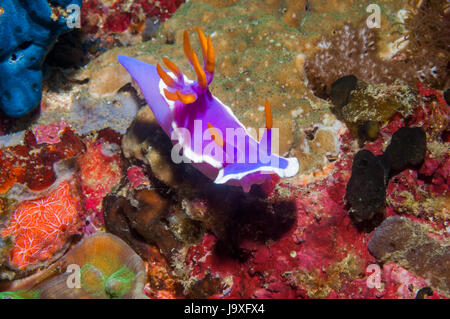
(203, 129)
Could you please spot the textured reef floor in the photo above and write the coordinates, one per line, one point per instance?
(364, 110)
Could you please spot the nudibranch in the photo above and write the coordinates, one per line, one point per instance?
(203, 129)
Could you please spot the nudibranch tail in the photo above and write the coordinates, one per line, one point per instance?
(211, 137)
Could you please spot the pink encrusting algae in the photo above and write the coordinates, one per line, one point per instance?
(42, 226)
(100, 171)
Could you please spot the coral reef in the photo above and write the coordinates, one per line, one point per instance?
(427, 45)
(354, 49)
(29, 29)
(105, 25)
(181, 235)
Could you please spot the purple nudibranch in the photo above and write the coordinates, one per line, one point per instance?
(204, 128)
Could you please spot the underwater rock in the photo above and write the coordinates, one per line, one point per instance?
(148, 220)
(366, 189)
(406, 149)
(407, 243)
(29, 29)
(147, 142)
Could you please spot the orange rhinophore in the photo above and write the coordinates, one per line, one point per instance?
(165, 77)
(172, 67)
(187, 46)
(201, 76)
(204, 74)
(210, 59)
(203, 42)
(171, 95)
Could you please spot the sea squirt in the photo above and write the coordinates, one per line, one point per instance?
(202, 127)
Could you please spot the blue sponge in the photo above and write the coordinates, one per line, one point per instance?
(28, 29)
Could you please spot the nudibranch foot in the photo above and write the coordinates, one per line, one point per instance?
(206, 130)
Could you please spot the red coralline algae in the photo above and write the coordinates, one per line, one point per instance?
(100, 170)
(322, 250)
(136, 177)
(433, 115)
(42, 226)
(401, 283)
(122, 15)
(32, 164)
(49, 134)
